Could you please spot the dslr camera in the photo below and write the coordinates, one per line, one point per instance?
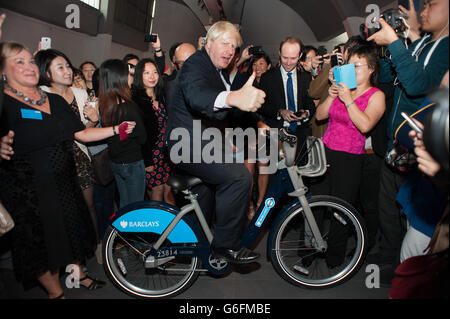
(393, 17)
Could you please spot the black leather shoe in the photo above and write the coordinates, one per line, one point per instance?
(241, 256)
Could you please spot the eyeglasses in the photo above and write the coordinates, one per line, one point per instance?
(357, 65)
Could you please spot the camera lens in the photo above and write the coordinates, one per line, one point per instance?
(436, 135)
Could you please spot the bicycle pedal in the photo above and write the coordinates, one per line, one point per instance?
(122, 267)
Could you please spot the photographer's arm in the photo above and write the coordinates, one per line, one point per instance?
(320, 83)
(160, 59)
(426, 162)
(412, 21)
(244, 56)
(415, 79)
(2, 19)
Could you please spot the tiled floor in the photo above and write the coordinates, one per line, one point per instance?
(258, 281)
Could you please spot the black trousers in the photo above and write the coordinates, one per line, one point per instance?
(369, 193)
(342, 180)
(392, 225)
(224, 197)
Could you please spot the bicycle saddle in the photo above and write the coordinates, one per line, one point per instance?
(181, 183)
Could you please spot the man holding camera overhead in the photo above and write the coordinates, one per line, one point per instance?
(415, 71)
(287, 101)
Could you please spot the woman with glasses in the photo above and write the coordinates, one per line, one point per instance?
(352, 115)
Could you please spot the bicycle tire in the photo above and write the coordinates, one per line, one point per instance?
(292, 247)
(124, 266)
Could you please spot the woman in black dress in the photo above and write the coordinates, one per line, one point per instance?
(56, 76)
(149, 94)
(38, 185)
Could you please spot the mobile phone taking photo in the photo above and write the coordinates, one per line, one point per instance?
(411, 123)
(46, 43)
(150, 38)
(335, 60)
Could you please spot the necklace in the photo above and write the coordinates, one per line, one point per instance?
(26, 98)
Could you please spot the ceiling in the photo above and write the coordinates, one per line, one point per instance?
(325, 20)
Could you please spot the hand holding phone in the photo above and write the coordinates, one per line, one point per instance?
(150, 38)
(411, 123)
(334, 60)
(302, 114)
(255, 50)
(46, 43)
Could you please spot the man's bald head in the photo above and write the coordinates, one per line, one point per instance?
(182, 53)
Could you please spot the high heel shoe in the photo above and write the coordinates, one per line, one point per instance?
(95, 284)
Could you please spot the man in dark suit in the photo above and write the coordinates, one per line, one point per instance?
(287, 103)
(200, 101)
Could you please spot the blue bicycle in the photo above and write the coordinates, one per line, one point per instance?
(155, 250)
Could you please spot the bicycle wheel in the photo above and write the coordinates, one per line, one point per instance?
(123, 261)
(293, 250)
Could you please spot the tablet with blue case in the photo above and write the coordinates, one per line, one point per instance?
(345, 74)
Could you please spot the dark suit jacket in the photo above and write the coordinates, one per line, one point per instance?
(272, 84)
(192, 97)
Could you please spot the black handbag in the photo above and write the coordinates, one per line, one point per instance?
(103, 174)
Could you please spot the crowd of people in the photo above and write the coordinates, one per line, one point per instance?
(72, 137)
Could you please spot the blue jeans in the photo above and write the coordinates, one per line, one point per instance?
(130, 180)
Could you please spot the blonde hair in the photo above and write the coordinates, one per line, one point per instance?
(9, 49)
(222, 27)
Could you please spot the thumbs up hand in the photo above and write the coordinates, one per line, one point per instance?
(248, 98)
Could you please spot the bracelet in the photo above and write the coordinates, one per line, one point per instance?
(348, 105)
(114, 130)
(159, 50)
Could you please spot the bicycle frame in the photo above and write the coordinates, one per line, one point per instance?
(172, 223)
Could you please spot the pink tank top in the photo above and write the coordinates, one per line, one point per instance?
(342, 135)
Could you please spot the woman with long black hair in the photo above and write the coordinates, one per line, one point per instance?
(149, 93)
(116, 106)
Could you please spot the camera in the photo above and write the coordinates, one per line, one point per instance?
(151, 38)
(255, 50)
(393, 17)
(436, 134)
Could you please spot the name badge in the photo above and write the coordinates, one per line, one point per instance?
(31, 114)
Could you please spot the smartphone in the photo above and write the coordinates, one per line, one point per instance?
(46, 43)
(150, 38)
(411, 123)
(334, 60)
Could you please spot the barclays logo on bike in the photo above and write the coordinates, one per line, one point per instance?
(138, 224)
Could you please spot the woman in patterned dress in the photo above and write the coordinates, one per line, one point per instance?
(149, 94)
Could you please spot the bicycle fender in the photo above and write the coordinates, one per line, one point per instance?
(277, 220)
(147, 216)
